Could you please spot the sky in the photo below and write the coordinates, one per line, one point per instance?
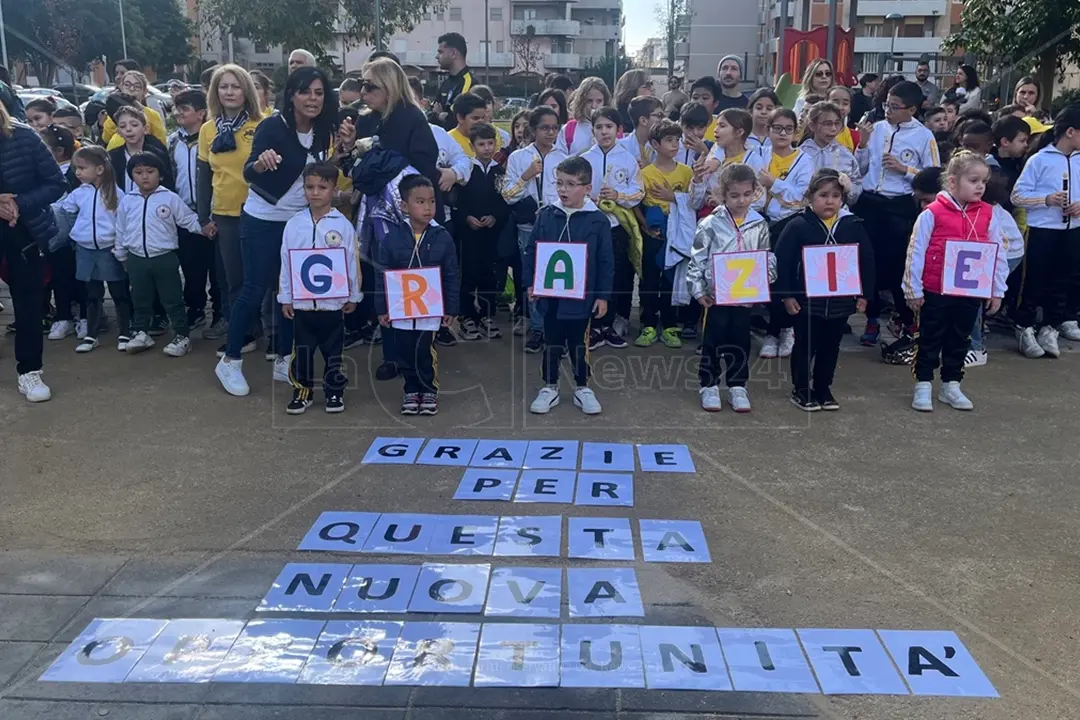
(640, 23)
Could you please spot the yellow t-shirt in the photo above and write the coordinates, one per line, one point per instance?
(831, 221)
(779, 167)
(734, 159)
(710, 132)
(845, 139)
(466, 144)
(153, 122)
(678, 180)
(230, 187)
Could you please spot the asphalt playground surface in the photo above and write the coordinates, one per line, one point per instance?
(143, 490)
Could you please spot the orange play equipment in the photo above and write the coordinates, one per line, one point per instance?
(803, 47)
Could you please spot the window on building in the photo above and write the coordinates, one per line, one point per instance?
(500, 46)
(496, 13)
(261, 47)
(455, 13)
(529, 14)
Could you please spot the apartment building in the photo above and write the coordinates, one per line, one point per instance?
(557, 35)
(712, 29)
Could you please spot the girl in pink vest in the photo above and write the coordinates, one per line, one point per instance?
(946, 299)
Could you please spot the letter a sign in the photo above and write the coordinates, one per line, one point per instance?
(560, 270)
(414, 294)
(969, 269)
(319, 274)
(832, 271)
(741, 278)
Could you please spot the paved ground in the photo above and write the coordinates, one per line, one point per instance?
(143, 489)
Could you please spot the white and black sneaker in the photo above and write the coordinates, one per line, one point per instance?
(335, 404)
(301, 401)
(490, 329)
(122, 342)
(87, 345)
(445, 337)
(469, 330)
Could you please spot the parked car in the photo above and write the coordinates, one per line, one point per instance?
(77, 93)
(160, 101)
(28, 94)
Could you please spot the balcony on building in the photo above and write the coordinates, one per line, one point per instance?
(907, 8)
(562, 61)
(561, 28)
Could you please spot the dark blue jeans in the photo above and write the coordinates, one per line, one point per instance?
(260, 252)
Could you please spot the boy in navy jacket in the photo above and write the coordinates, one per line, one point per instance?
(573, 219)
(421, 242)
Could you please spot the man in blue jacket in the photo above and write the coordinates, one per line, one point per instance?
(573, 219)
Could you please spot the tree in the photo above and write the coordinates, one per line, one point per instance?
(668, 14)
(610, 67)
(1007, 32)
(527, 54)
(313, 24)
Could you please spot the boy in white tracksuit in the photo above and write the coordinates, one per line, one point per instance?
(146, 240)
(318, 324)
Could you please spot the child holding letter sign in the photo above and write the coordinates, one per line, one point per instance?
(734, 227)
(568, 297)
(820, 317)
(947, 285)
(324, 292)
(423, 243)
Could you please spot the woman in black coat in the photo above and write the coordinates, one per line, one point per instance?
(30, 180)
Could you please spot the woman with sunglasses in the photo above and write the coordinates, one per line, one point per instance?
(302, 133)
(818, 79)
(632, 84)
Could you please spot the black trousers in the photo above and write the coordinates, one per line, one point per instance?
(121, 297)
(565, 336)
(1051, 277)
(779, 319)
(322, 330)
(479, 249)
(622, 288)
(417, 359)
(945, 324)
(655, 287)
(889, 223)
(26, 279)
(817, 349)
(726, 337)
(65, 287)
(198, 258)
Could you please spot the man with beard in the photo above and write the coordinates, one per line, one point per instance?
(931, 92)
(729, 72)
(452, 54)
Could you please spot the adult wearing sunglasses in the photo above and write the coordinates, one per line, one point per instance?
(817, 79)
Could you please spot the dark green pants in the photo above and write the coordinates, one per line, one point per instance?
(160, 275)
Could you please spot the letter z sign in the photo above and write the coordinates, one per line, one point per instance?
(319, 274)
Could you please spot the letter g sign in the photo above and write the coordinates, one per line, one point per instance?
(316, 284)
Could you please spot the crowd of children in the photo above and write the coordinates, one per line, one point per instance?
(647, 194)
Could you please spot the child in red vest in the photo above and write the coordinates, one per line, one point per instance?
(945, 321)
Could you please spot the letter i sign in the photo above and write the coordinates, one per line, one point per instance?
(832, 271)
(560, 270)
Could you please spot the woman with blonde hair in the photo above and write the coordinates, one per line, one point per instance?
(224, 145)
(135, 86)
(30, 180)
(632, 84)
(576, 136)
(818, 78)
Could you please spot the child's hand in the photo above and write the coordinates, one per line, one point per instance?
(706, 301)
(608, 194)
(993, 305)
(891, 162)
(915, 304)
(652, 232)
(287, 311)
(473, 223)
(860, 305)
(534, 169)
(792, 306)
(864, 129)
(447, 321)
(384, 320)
(209, 229)
(1059, 199)
(662, 192)
(529, 292)
(599, 308)
(447, 178)
(712, 165)
(697, 144)
(347, 134)
(1072, 209)
(348, 307)
(488, 221)
(268, 161)
(765, 179)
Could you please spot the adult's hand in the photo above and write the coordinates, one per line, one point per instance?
(267, 162)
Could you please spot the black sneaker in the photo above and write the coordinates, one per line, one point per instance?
(372, 334)
(386, 371)
(689, 332)
(301, 401)
(353, 338)
(335, 404)
(158, 326)
(613, 339)
(470, 330)
(489, 328)
(804, 402)
(410, 404)
(271, 348)
(429, 404)
(826, 400)
(11, 327)
(196, 319)
(445, 338)
(596, 339)
(535, 343)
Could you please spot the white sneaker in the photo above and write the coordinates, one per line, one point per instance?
(621, 326)
(585, 399)
(951, 394)
(770, 348)
(710, 399)
(1048, 341)
(81, 329)
(33, 387)
(231, 375)
(975, 358)
(140, 342)
(787, 342)
(281, 369)
(519, 327)
(1070, 329)
(740, 401)
(87, 344)
(923, 399)
(179, 346)
(1029, 346)
(61, 329)
(122, 342)
(547, 398)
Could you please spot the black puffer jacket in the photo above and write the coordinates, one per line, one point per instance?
(29, 171)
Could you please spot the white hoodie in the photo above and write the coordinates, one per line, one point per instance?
(95, 225)
(146, 226)
(332, 230)
(1045, 173)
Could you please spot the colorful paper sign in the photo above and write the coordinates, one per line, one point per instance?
(319, 274)
(969, 269)
(832, 271)
(414, 294)
(741, 278)
(560, 270)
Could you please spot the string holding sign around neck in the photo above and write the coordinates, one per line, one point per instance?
(738, 229)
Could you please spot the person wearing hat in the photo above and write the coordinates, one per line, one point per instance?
(730, 72)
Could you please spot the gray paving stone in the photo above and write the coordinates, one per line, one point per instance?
(535, 698)
(269, 712)
(40, 573)
(234, 576)
(13, 656)
(739, 704)
(246, 694)
(168, 608)
(36, 617)
(459, 713)
(47, 710)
